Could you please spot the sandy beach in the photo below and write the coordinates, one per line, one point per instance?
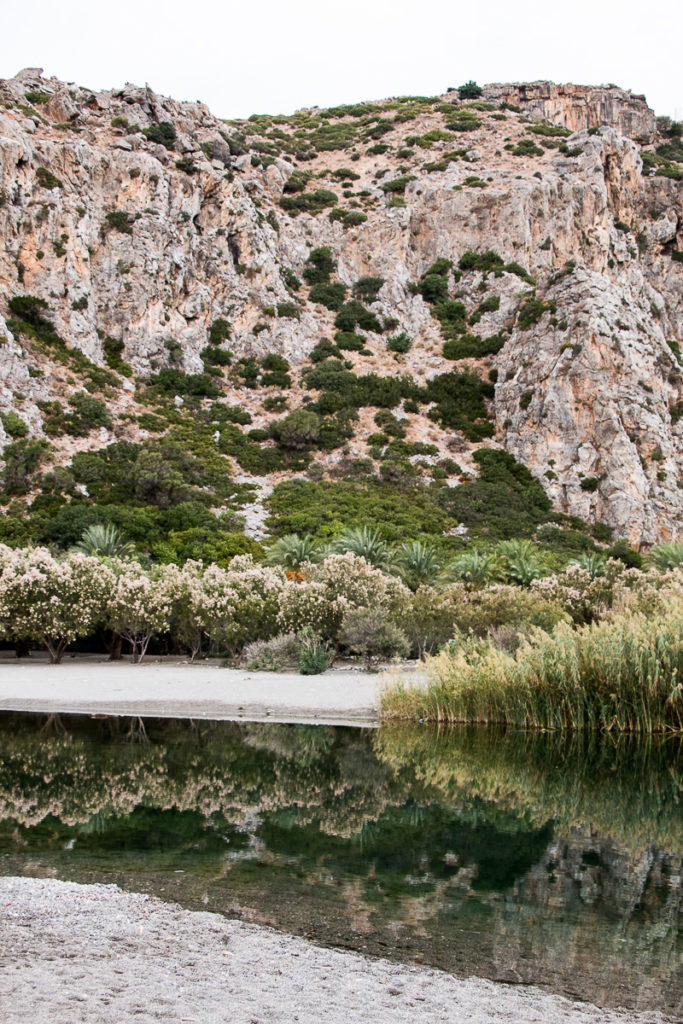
(174, 688)
(94, 954)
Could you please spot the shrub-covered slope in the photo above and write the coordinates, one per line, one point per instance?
(194, 312)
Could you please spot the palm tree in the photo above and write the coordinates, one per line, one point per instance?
(592, 561)
(668, 555)
(104, 540)
(292, 551)
(521, 562)
(417, 564)
(474, 567)
(367, 543)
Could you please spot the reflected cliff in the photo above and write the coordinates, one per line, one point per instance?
(523, 858)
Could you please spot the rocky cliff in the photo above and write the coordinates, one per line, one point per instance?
(513, 236)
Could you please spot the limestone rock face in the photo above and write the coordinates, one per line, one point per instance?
(126, 236)
(579, 107)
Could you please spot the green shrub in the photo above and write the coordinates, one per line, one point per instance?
(399, 343)
(22, 458)
(187, 165)
(484, 261)
(367, 288)
(315, 654)
(88, 413)
(532, 309)
(118, 220)
(112, 348)
(299, 429)
(163, 133)
(47, 179)
(13, 424)
(325, 349)
(349, 218)
(471, 346)
(297, 182)
(550, 130)
(526, 147)
(347, 341)
(354, 314)
(319, 266)
(397, 185)
(372, 634)
(213, 356)
(289, 310)
(308, 202)
(590, 483)
(329, 295)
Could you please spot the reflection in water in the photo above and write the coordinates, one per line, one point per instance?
(526, 858)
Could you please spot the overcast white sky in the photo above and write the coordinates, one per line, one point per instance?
(263, 56)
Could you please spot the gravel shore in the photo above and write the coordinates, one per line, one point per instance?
(94, 954)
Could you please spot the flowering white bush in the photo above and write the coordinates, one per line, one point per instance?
(184, 588)
(590, 599)
(49, 600)
(139, 605)
(340, 582)
(240, 603)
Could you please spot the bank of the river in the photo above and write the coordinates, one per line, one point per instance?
(174, 688)
(94, 954)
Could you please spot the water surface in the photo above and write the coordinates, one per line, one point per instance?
(522, 858)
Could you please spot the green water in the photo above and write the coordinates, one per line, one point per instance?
(523, 858)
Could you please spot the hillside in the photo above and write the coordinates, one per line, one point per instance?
(356, 307)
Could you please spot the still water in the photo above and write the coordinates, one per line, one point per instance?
(521, 858)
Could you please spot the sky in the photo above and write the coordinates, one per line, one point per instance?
(275, 57)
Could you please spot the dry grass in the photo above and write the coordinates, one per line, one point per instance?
(625, 676)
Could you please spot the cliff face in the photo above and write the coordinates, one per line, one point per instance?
(148, 239)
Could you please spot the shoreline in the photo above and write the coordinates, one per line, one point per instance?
(98, 955)
(175, 688)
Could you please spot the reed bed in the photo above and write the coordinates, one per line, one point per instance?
(624, 675)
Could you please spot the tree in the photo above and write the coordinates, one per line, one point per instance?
(417, 564)
(365, 542)
(470, 91)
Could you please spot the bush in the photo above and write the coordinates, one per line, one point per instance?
(372, 634)
(299, 430)
(397, 186)
(47, 179)
(329, 295)
(119, 220)
(274, 655)
(471, 346)
(399, 343)
(309, 202)
(531, 310)
(354, 314)
(13, 424)
(367, 288)
(315, 655)
(526, 147)
(163, 133)
(319, 266)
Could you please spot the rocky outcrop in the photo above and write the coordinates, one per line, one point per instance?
(130, 235)
(579, 107)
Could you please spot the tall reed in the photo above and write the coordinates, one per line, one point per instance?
(625, 675)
